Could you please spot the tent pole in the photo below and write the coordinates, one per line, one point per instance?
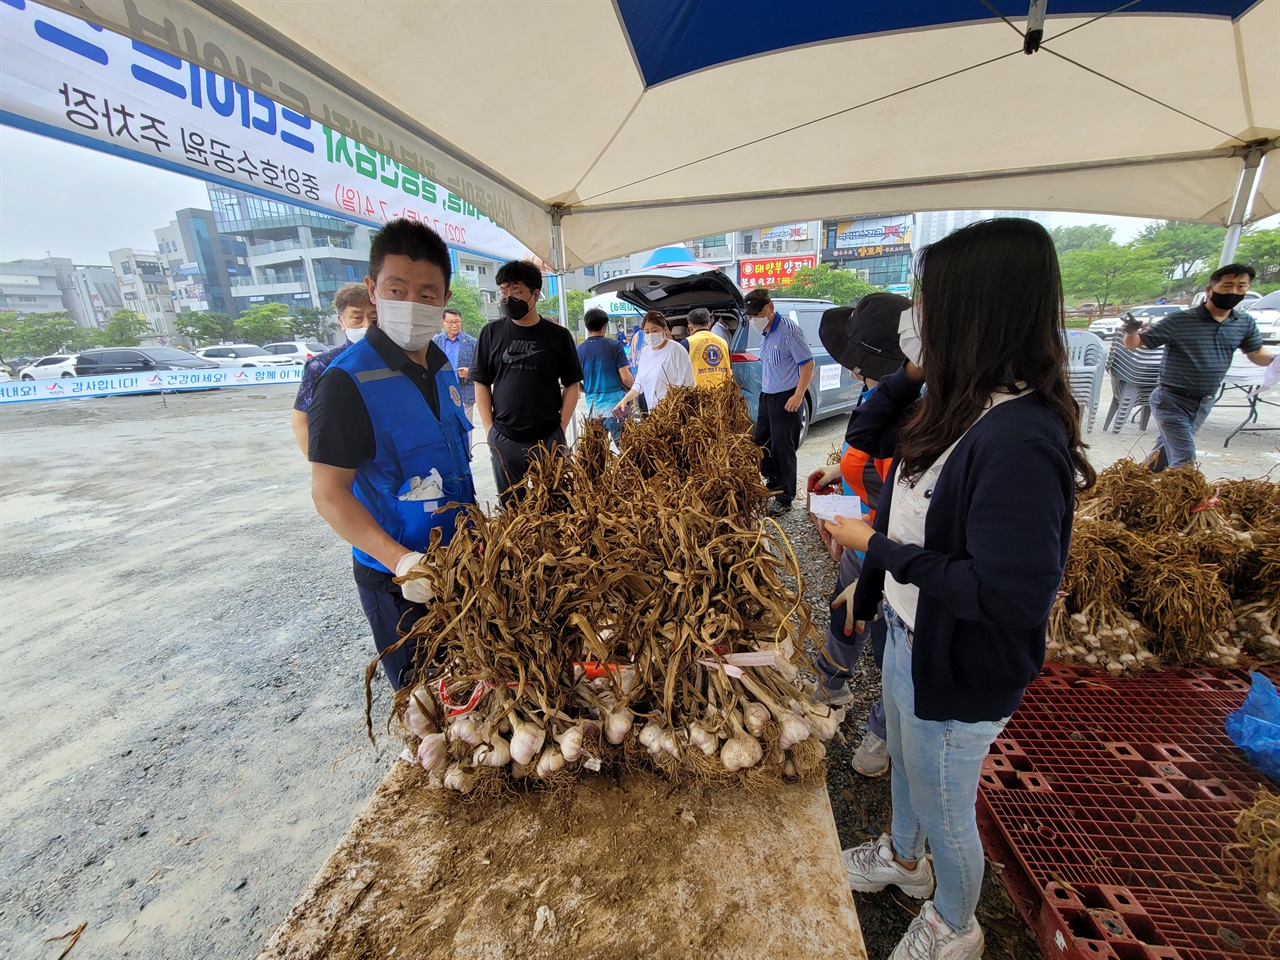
(1249, 178)
(557, 251)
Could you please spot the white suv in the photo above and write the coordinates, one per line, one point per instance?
(243, 355)
(298, 351)
(50, 368)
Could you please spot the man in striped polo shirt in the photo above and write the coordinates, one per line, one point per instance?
(1199, 344)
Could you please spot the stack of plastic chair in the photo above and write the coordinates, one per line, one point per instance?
(1086, 356)
(1134, 374)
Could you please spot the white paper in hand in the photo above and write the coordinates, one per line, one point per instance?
(832, 505)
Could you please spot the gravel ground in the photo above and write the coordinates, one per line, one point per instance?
(168, 585)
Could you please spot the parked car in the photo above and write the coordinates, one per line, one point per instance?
(4, 376)
(1250, 298)
(675, 290)
(1266, 314)
(298, 351)
(243, 355)
(13, 366)
(50, 368)
(103, 361)
(1109, 327)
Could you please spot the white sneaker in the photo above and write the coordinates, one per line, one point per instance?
(871, 867)
(929, 938)
(871, 759)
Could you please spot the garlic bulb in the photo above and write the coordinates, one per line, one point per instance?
(570, 742)
(526, 739)
(468, 730)
(420, 715)
(617, 724)
(456, 778)
(433, 752)
(741, 751)
(754, 717)
(549, 762)
(495, 753)
(651, 737)
(703, 739)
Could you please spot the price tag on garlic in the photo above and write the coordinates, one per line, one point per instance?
(833, 505)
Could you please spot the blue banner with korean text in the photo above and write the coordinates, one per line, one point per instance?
(158, 381)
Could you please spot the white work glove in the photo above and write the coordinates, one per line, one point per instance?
(845, 600)
(415, 591)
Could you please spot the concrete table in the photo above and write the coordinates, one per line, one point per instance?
(599, 869)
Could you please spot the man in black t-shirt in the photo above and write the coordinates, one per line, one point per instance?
(527, 376)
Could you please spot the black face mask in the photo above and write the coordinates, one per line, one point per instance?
(1225, 301)
(515, 309)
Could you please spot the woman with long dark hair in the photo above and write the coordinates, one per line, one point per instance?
(967, 552)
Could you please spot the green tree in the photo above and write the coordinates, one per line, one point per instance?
(1261, 248)
(204, 328)
(467, 300)
(36, 334)
(823, 282)
(264, 323)
(124, 329)
(312, 323)
(1112, 274)
(574, 300)
(1086, 237)
(1182, 245)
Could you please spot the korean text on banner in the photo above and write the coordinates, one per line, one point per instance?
(772, 271)
(64, 78)
(71, 388)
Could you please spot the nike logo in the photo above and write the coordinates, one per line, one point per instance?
(521, 350)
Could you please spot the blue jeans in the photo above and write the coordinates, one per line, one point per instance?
(840, 654)
(936, 765)
(1178, 419)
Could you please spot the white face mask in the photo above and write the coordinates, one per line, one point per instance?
(909, 336)
(408, 323)
(356, 334)
(654, 340)
(758, 324)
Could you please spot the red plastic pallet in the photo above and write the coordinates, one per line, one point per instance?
(1109, 803)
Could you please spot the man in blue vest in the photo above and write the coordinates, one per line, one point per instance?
(388, 437)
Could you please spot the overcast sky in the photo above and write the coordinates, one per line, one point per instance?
(74, 202)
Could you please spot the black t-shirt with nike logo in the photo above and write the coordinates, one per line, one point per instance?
(525, 369)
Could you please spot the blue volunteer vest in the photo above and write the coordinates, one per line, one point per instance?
(410, 442)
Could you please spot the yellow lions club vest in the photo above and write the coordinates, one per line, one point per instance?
(710, 356)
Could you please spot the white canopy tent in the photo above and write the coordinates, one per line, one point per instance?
(597, 128)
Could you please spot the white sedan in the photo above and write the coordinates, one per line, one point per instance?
(243, 355)
(50, 368)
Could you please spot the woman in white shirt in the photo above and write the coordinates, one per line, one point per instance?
(663, 364)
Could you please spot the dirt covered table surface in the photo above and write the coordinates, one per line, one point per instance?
(604, 867)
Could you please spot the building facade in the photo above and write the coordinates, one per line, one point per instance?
(144, 289)
(759, 257)
(936, 224)
(35, 286)
(877, 249)
(93, 295)
(201, 262)
(292, 256)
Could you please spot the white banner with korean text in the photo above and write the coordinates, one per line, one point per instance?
(67, 79)
(157, 381)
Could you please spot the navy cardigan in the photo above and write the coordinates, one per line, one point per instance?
(995, 546)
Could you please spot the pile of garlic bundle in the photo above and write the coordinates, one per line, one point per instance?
(1169, 569)
(634, 609)
(758, 739)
